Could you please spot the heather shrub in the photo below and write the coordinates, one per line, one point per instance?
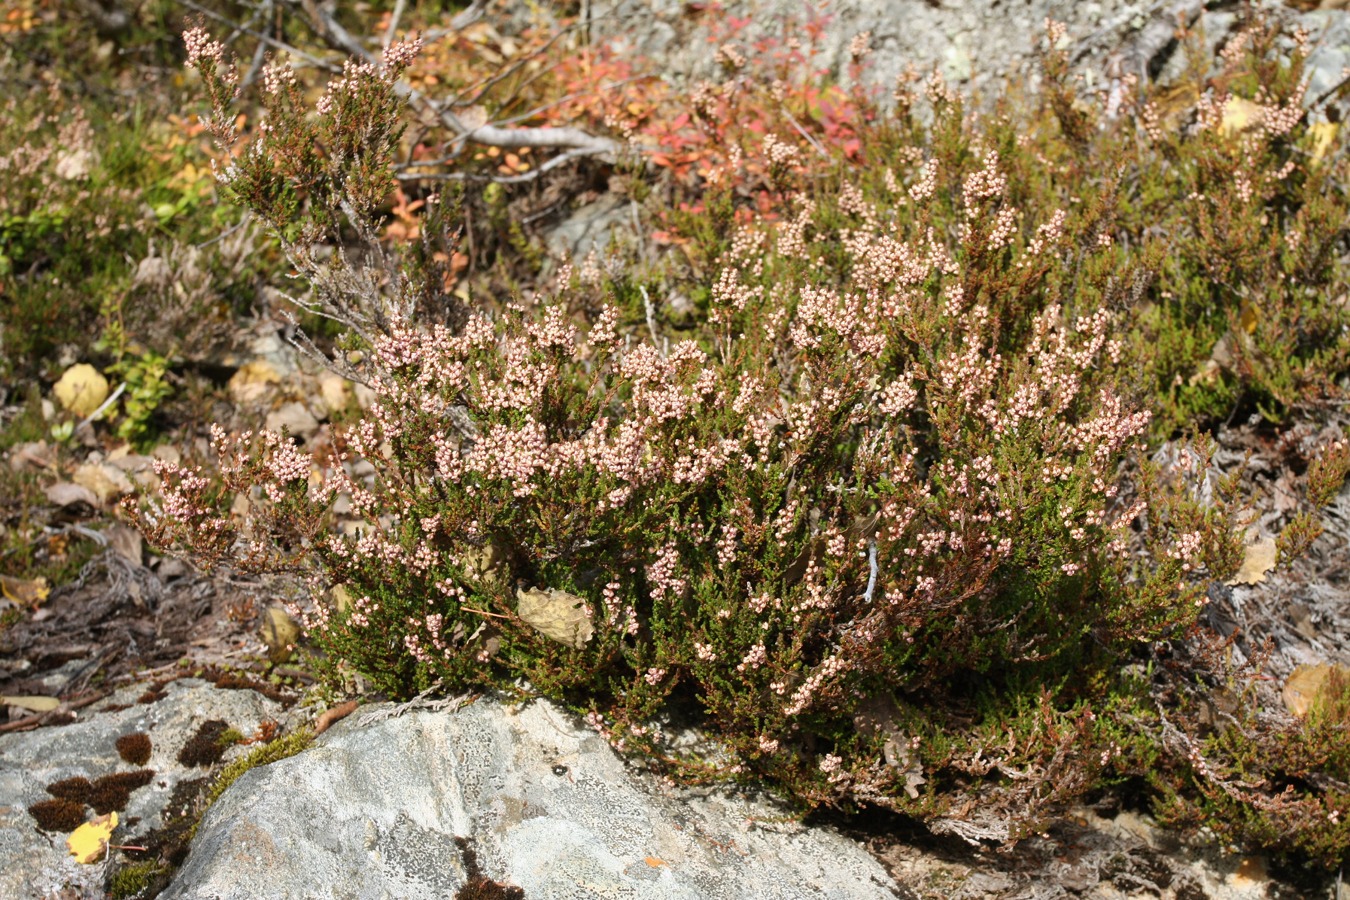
(1215, 201)
(881, 517)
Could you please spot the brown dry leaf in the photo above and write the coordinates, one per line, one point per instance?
(90, 841)
(280, 633)
(1306, 684)
(81, 390)
(34, 704)
(25, 592)
(556, 614)
(1259, 560)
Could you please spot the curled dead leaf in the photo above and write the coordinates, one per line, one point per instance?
(564, 617)
(280, 633)
(334, 715)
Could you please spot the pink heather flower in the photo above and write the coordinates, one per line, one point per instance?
(201, 48)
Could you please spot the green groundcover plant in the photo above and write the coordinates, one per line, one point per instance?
(884, 517)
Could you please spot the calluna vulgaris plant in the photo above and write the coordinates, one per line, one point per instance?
(881, 517)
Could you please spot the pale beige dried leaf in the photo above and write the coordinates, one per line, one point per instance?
(63, 493)
(1324, 138)
(556, 614)
(1304, 686)
(481, 562)
(1238, 116)
(34, 704)
(105, 482)
(1259, 559)
(342, 598)
(125, 541)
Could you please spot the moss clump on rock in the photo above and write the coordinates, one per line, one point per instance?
(270, 752)
(57, 815)
(75, 789)
(136, 879)
(206, 746)
(135, 748)
(111, 793)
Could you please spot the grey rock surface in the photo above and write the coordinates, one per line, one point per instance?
(589, 228)
(974, 44)
(374, 810)
(37, 865)
(974, 41)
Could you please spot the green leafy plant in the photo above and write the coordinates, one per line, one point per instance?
(145, 377)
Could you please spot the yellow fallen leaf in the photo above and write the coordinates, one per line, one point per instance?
(1323, 137)
(90, 841)
(253, 381)
(1249, 318)
(81, 390)
(1259, 560)
(25, 592)
(557, 614)
(36, 704)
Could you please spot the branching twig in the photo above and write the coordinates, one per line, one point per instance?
(393, 23)
(475, 178)
(419, 702)
(582, 143)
